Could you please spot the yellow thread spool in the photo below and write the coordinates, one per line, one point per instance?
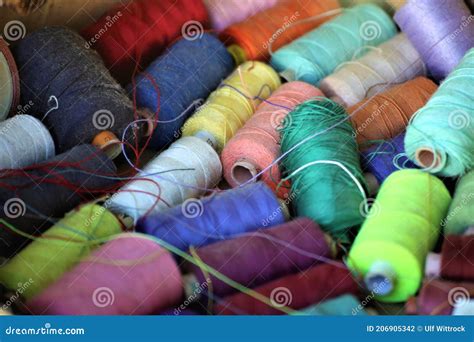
(401, 228)
(45, 259)
(226, 109)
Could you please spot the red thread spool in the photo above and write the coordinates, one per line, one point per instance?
(439, 297)
(256, 145)
(275, 26)
(258, 257)
(295, 291)
(137, 32)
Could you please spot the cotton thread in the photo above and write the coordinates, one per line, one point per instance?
(229, 107)
(256, 145)
(181, 77)
(275, 27)
(187, 169)
(402, 226)
(325, 171)
(393, 62)
(24, 141)
(441, 31)
(46, 259)
(317, 54)
(439, 137)
(459, 217)
(9, 81)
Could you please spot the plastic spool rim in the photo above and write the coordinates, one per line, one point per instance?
(380, 279)
(243, 172)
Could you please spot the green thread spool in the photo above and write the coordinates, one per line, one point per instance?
(461, 211)
(45, 259)
(322, 160)
(402, 226)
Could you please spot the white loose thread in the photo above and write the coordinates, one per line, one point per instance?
(195, 167)
(24, 141)
(393, 62)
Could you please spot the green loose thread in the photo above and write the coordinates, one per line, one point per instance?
(327, 179)
(446, 124)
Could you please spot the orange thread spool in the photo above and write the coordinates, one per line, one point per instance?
(386, 115)
(276, 26)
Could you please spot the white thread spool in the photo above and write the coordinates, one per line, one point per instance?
(204, 172)
(24, 141)
(393, 62)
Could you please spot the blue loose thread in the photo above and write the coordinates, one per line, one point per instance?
(318, 53)
(185, 74)
(54, 63)
(219, 217)
(386, 157)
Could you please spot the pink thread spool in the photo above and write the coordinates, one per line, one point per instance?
(228, 12)
(128, 275)
(257, 144)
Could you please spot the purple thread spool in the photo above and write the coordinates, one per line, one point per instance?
(442, 31)
(379, 159)
(259, 257)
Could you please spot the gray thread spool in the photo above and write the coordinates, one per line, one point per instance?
(24, 141)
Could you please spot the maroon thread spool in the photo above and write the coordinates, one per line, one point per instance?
(455, 261)
(259, 257)
(438, 297)
(295, 291)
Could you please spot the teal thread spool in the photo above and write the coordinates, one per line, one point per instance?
(327, 180)
(319, 52)
(440, 137)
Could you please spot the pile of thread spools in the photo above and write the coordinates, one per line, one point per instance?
(186, 157)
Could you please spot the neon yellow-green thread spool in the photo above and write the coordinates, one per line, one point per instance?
(45, 259)
(401, 228)
(230, 106)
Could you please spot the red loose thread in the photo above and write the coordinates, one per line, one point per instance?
(457, 255)
(295, 291)
(137, 32)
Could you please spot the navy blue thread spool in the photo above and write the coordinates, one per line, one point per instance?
(184, 76)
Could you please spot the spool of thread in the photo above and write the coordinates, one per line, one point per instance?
(179, 79)
(256, 145)
(439, 137)
(72, 92)
(345, 305)
(31, 197)
(58, 249)
(24, 140)
(439, 297)
(129, 275)
(393, 62)
(9, 81)
(223, 14)
(383, 159)
(222, 216)
(402, 226)
(455, 260)
(229, 107)
(327, 181)
(276, 27)
(185, 170)
(439, 30)
(387, 115)
(139, 30)
(295, 291)
(388, 5)
(460, 217)
(318, 53)
(258, 257)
